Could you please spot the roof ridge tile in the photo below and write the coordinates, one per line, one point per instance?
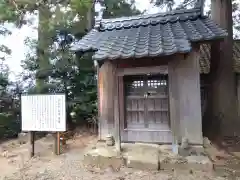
(147, 16)
(150, 19)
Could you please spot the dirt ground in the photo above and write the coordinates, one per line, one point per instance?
(15, 164)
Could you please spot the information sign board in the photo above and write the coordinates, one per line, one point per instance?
(43, 112)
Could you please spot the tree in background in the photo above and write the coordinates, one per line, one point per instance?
(50, 63)
(223, 104)
(4, 97)
(9, 104)
(236, 18)
(169, 4)
(118, 8)
(163, 3)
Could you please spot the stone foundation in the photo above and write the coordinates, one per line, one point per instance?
(103, 158)
(147, 157)
(192, 151)
(197, 163)
(141, 156)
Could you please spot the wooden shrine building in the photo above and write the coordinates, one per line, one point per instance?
(149, 75)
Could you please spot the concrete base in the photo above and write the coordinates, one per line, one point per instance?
(145, 157)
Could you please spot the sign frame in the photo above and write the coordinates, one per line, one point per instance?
(47, 129)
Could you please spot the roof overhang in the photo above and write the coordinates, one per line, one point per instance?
(149, 35)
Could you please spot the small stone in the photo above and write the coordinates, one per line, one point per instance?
(121, 178)
(206, 142)
(11, 161)
(109, 140)
(200, 163)
(49, 135)
(183, 152)
(22, 138)
(128, 173)
(193, 152)
(4, 154)
(184, 143)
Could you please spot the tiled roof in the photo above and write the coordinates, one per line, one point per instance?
(149, 35)
(205, 57)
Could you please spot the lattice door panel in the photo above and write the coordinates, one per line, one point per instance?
(135, 103)
(156, 100)
(147, 102)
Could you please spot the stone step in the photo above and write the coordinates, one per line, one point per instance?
(142, 162)
(103, 158)
(145, 158)
(195, 163)
(227, 170)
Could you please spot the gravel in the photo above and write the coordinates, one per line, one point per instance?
(69, 166)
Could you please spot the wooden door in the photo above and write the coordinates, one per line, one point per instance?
(146, 112)
(156, 101)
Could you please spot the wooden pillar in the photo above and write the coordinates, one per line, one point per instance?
(190, 97)
(98, 99)
(117, 135)
(173, 103)
(107, 88)
(57, 143)
(238, 94)
(185, 100)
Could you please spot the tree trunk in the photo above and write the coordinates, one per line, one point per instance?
(43, 43)
(222, 111)
(90, 16)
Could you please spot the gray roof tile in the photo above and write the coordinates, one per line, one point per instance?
(149, 35)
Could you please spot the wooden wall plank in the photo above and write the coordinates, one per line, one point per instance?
(147, 136)
(142, 70)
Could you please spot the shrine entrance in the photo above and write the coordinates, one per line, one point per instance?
(146, 109)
